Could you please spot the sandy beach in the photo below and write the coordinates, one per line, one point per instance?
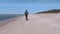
(37, 24)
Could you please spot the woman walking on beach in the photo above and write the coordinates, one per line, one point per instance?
(26, 14)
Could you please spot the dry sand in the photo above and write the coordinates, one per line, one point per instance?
(37, 24)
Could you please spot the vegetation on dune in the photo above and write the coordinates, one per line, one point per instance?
(50, 11)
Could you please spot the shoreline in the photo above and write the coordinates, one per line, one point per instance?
(2, 23)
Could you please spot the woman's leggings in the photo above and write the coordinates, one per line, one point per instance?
(26, 16)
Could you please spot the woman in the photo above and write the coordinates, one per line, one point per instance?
(26, 14)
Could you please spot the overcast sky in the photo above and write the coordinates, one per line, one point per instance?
(33, 6)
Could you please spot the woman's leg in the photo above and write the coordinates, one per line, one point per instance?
(26, 17)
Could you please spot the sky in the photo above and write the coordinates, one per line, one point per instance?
(33, 6)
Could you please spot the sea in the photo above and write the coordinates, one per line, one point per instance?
(4, 18)
(8, 16)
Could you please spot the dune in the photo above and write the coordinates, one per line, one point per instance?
(37, 24)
